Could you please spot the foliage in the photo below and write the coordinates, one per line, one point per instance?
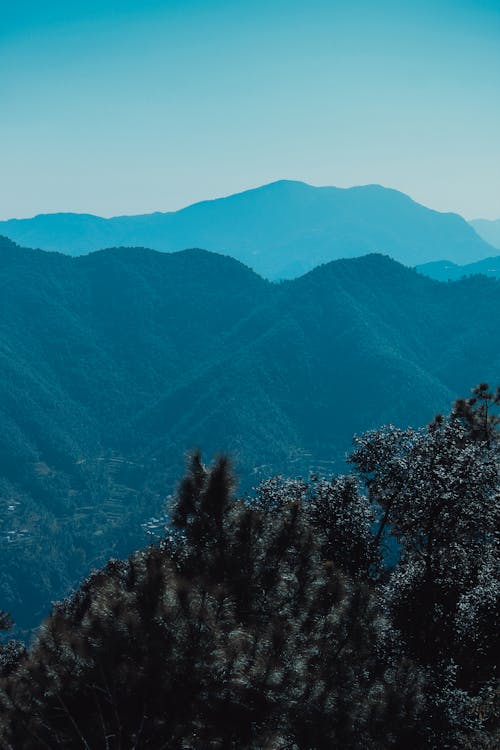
(478, 413)
(235, 632)
(437, 491)
(339, 514)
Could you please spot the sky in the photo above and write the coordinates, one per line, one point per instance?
(126, 107)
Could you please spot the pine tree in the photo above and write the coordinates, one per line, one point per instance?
(235, 632)
(479, 413)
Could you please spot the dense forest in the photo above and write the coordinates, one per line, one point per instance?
(116, 363)
(350, 611)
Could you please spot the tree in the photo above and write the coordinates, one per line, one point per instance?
(479, 415)
(341, 516)
(437, 493)
(11, 651)
(235, 632)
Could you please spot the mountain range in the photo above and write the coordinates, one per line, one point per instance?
(445, 270)
(114, 363)
(280, 230)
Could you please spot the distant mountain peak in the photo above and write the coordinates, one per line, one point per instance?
(282, 229)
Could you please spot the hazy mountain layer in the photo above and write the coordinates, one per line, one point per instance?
(445, 270)
(280, 230)
(489, 230)
(115, 363)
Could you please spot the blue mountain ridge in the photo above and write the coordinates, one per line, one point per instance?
(281, 230)
(488, 229)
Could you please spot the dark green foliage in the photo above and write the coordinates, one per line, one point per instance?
(478, 413)
(235, 633)
(11, 652)
(438, 494)
(339, 515)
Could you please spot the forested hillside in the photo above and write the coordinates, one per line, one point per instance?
(281, 230)
(115, 363)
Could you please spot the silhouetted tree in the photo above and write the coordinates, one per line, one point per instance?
(235, 632)
(480, 413)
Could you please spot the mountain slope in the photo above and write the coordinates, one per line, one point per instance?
(115, 363)
(280, 230)
(489, 230)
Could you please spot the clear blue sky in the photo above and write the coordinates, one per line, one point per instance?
(131, 107)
